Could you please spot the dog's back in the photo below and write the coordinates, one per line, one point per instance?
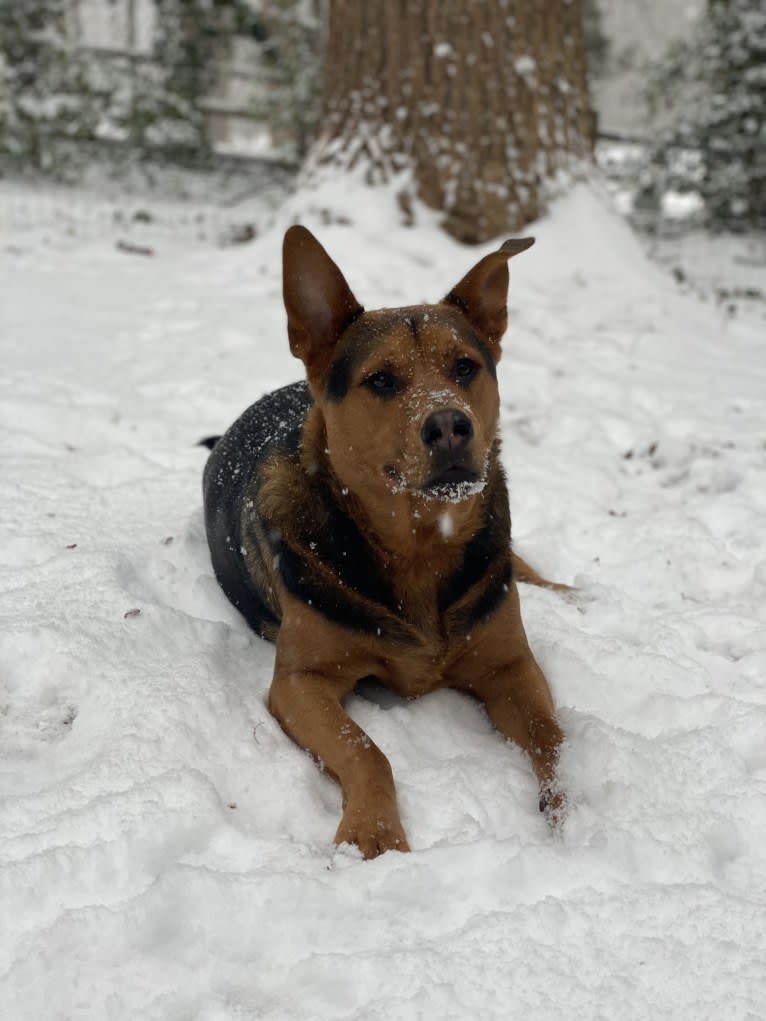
(272, 423)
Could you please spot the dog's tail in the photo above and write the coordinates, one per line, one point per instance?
(209, 442)
(522, 571)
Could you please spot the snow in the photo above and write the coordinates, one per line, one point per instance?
(166, 852)
(525, 65)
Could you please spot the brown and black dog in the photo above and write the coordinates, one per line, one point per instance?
(360, 521)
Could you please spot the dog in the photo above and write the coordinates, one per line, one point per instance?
(360, 521)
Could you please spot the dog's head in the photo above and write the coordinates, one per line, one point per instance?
(409, 395)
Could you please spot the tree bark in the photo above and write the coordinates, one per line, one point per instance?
(481, 100)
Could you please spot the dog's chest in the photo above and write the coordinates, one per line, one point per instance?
(411, 598)
(432, 666)
(421, 667)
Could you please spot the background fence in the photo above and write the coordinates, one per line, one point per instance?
(157, 77)
(122, 35)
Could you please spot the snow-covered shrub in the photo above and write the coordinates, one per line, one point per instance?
(57, 97)
(716, 146)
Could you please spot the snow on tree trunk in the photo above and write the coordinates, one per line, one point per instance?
(481, 101)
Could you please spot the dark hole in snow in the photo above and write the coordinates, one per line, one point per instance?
(371, 690)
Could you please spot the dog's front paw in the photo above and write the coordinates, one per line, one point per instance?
(373, 829)
(553, 805)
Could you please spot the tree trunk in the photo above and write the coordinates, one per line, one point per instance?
(480, 100)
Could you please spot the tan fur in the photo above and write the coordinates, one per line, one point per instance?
(523, 572)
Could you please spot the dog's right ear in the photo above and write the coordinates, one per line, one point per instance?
(318, 301)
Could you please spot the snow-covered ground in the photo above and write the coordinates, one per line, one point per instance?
(166, 852)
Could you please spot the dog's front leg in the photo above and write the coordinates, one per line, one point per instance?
(519, 704)
(500, 670)
(307, 704)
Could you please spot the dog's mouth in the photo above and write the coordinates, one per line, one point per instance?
(454, 475)
(451, 485)
(454, 484)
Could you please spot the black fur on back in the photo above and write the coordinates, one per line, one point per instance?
(275, 421)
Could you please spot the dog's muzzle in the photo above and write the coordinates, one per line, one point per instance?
(448, 436)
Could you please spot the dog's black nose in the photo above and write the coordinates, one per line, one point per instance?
(447, 431)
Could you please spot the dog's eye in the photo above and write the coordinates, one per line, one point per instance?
(382, 383)
(465, 370)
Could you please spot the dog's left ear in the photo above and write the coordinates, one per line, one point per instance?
(318, 301)
(482, 294)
